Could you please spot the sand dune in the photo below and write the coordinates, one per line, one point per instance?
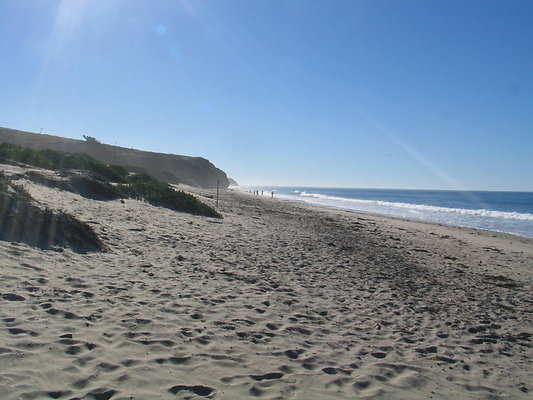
(275, 301)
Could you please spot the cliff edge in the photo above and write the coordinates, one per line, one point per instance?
(170, 168)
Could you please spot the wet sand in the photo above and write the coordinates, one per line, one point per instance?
(277, 301)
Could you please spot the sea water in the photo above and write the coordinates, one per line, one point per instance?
(510, 212)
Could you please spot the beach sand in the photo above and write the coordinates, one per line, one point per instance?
(277, 300)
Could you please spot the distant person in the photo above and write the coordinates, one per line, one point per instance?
(272, 194)
(261, 192)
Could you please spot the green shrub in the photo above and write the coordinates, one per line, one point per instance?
(163, 195)
(137, 186)
(120, 170)
(142, 178)
(24, 155)
(58, 160)
(62, 160)
(23, 221)
(95, 189)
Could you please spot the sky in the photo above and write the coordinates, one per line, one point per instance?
(429, 94)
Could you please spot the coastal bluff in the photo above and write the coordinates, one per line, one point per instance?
(171, 168)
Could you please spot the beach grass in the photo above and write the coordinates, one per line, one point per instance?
(24, 221)
(59, 160)
(105, 182)
(163, 195)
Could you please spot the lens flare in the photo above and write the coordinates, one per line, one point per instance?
(57, 54)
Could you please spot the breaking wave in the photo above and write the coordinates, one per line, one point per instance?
(342, 202)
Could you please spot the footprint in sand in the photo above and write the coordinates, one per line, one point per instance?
(293, 354)
(269, 376)
(173, 360)
(102, 394)
(198, 389)
(339, 382)
(13, 297)
(18, 331)
(107, 367)
(58, 394)
(335, 371)
(273, 327)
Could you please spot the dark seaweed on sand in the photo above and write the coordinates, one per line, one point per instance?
(21, 220)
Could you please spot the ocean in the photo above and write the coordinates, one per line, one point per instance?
(510, 212)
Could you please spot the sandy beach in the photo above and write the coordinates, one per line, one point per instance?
(277, 300)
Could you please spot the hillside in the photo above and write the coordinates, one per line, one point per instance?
(171, 168)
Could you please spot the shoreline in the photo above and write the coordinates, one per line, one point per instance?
(369, 214)
(276, 300)
(303, 201)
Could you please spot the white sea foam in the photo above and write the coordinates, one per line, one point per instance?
(355, 204)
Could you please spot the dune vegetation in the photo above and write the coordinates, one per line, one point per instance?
(24, 221)
(104, 182)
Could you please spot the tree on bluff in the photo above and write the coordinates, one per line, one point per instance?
(91, 139)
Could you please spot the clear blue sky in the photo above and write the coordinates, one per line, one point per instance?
(401, 94)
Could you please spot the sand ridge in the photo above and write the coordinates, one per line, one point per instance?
(276, 301)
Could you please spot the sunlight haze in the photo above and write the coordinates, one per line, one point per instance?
(390, 94)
